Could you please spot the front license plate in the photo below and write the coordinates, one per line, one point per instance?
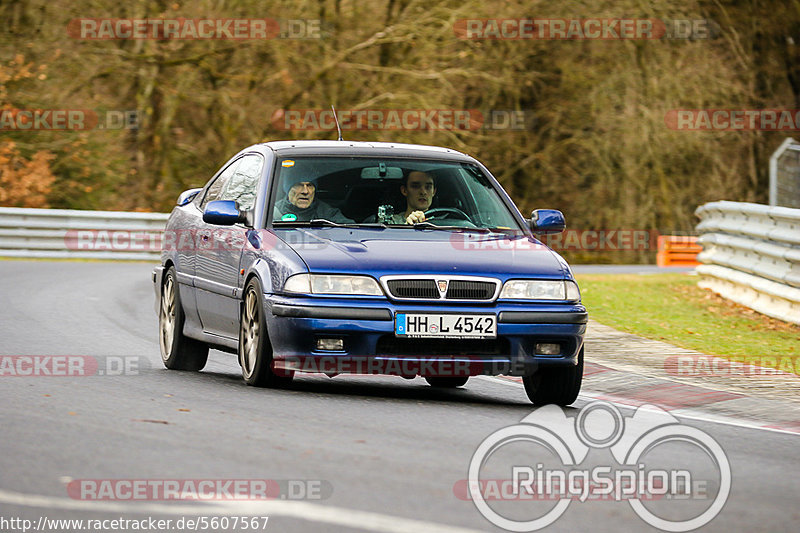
(445, 326)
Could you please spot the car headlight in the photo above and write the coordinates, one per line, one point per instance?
(520, 289)
(332, 284)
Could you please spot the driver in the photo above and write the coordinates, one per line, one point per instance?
(301, 204)
(419, 189)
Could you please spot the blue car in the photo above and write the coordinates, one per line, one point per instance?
(367, 258)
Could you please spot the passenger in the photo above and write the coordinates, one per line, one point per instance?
(300, 204)
(419, 189)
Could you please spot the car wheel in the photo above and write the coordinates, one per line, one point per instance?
(446, 383)
(558, 385)
(178, 352)
(255, 351)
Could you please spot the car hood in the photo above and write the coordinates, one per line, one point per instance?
(384, 251)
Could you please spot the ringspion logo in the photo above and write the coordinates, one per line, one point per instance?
(675, 477)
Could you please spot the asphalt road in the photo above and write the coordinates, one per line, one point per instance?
(385, 453)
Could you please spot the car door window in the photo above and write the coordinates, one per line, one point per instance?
(214, 191)
(241, 187)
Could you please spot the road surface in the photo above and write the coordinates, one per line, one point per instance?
(377, 454)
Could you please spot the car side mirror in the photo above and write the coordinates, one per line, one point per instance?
(225, 213)
(187, 196)
(547, 221)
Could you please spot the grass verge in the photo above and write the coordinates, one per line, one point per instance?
(673, 309)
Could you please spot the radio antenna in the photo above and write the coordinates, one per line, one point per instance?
(338, 128)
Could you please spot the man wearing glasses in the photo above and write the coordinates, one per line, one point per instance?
(300, 204)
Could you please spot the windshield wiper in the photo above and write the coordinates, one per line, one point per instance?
(430, 225)
(506, 231)
(478, 230)
(426, 225)
(325, 222)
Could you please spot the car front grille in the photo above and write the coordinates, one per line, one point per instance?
(414, 288)
(470, 290)
(420, 288)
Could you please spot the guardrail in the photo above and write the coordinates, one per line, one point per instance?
(62, 233)
(751, 255)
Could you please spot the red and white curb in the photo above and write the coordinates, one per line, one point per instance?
(680, 399)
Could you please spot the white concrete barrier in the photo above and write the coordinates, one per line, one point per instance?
(61, 233)
(751, 255)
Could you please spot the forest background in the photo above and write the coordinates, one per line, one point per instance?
(596, 140)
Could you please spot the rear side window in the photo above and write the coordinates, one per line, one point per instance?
(214, 190)
(242, 186)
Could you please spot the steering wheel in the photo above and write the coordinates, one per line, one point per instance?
(453, 210)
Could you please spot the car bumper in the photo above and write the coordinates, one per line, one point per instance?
(371, 347)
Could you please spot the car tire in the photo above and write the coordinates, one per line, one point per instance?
(446, 383)
(178, 352)
(558, 385)
(255, 350)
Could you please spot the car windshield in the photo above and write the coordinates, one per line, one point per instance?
(322, 191)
